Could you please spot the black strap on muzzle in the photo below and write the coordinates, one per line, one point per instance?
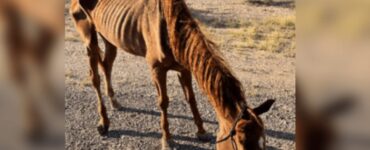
(233, 131)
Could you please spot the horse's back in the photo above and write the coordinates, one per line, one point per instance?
(135, 26)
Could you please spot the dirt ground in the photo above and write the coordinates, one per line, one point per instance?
(263, 74)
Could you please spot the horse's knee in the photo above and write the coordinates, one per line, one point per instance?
(95, 78)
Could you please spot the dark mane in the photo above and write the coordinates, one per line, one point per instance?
(200, 55)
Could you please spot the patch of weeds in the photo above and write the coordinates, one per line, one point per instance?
(275, 35)
(73, 37)
(68, 74)
(86, 82)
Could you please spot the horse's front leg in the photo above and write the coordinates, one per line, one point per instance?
(186, 84)
(159, 80)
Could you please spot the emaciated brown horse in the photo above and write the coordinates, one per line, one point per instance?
(164, 32)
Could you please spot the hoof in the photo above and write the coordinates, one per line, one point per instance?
(103, 129)
(204, 137)
(116, 106)
(167, 145)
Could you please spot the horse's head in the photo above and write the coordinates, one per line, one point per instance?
(247, 132)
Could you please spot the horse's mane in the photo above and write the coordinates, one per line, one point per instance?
(200, 55)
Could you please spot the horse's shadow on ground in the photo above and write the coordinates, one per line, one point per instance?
(280, 135)
(132, 133)
(271, 3)
(271, 148)
(118, 133)
(272, 133)
(155, 113)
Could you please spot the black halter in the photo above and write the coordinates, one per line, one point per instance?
(232, 131)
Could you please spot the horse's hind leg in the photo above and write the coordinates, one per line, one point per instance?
(94, 58)
(89, 36)
(185, 80)
(109, 57)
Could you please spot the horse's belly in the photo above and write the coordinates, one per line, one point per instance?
(133, 44)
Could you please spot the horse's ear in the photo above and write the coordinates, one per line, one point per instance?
(264, 107)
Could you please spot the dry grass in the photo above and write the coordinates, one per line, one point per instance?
(68, 73)
(86, 82)
(71, 36)
(273, 34)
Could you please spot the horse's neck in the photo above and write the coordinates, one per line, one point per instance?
(216, 79)
(196, 53)
(227, 114)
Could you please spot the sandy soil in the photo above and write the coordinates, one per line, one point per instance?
(263, 74)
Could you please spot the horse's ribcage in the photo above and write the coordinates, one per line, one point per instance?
(119, 21)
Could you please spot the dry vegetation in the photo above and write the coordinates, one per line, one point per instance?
(272, 34)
